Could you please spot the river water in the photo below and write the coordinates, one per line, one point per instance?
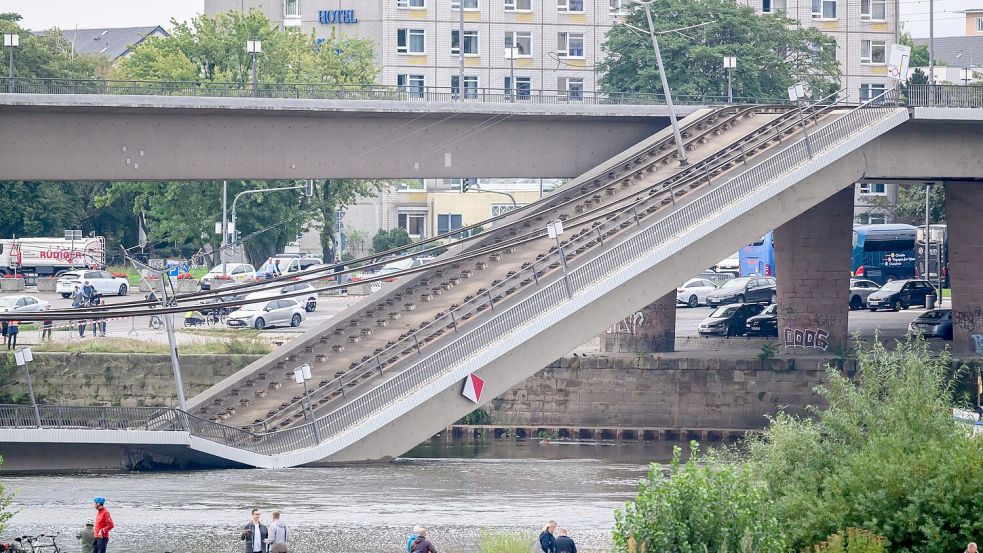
(503, 486)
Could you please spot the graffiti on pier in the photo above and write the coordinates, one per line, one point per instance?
(807, 339)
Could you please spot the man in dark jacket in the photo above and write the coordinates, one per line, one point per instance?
(255, 535)
(563, 542)
(546, 539)
(421, 544)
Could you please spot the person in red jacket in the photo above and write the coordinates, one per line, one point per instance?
(104, 523)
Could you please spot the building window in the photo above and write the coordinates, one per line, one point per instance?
(291, 8)
(870, 91)
(872, 189)
(570, 6)
(873, 10)
(411, 3)
(446, 222)
(415, 224)
(470, 86)
(824, 9)
(468, 5)
(413, 185)
(411, 84)
(873, 52)
(410, 41)
(470, 43)
(518, 5)
(573, 88)
(979, 24)
(570, 45)
(616, 7)
(772, 6)
(523, 87)
(521, 41)
(502, 209)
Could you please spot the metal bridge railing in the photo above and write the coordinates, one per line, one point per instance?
(323, 91)
(945, 96)
(472, 341)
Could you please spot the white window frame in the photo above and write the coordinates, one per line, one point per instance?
(873, 90)
(867, 52)
(407, 35)
(455, 5)
(415, 86)
(515, 35)
(410, 4)
(414, 215)
(869, 5)
(868, 189)
(511, 6)
(616, 8)
(563, 6)
(821, 13)
(563, 87)
(469, 91)
(979, 24)
(456, 50)
(291, 15)
(519, 79)
(563, 39)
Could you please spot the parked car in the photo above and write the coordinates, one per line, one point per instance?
(23, 304)
(860, 290)
(694, 292)
(103, 282)
(745, 289)
(235, 272)
(935, 322)
(395, 267)
(309, 300)
(764, 323)
(265, 314)
(286, 264)
(900, 294)
(731, 264)
(729, 320)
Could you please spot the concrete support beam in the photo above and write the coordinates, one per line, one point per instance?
(812, 258)
(963, 206)
(650, 330)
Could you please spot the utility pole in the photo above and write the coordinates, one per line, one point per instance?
(225, 225)
(931, 41)
(665, 84)
(928, 235)
(460, 43)
(253, 48)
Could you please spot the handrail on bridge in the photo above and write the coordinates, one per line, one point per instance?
(945, 96)
(328, 91)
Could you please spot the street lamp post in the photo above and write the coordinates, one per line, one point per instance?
(253, 48)
(11, 41)
(460, 44)
(554, 230)
(797, 93)
(510, 53)
(730, 63)
(23, 357)
(665, 83)
(301, 375)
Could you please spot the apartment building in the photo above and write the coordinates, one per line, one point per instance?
(551, 46)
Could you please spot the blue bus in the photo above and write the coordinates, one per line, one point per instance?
(884, 252)
(758, 257)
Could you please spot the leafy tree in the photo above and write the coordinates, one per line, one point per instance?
(919, 52)
(389, 239)
(911, 204)
(699, 507)
(885, 455)
(333, 195)
(772, 52)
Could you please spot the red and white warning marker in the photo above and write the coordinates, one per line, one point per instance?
(473, 385)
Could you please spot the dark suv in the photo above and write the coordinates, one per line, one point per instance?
(744, 290)
(900, 294)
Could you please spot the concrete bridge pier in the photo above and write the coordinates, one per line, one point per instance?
(963, 206)
(812, 258)
(650, 330)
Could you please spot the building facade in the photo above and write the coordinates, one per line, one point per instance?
(864, 31)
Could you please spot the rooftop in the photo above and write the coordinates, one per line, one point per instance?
(948, 48)
(112, 43)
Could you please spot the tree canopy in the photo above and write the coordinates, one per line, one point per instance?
(772, 52)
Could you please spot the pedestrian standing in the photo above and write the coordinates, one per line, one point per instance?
(98, 325)
(546, 540)
(87, 292)
(86, 536)
(278, 534)
(255, 535)
(104, 523)
(421, 544)
(46, 327)
(3, 329)
(77, 299)
(12, 331)
(564, 544)
(412, 538)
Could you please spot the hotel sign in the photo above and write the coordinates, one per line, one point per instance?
(330, 17)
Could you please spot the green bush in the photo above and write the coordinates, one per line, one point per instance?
(385, 240)
(700, 507)
(885, 455)
(478, 416)
(856, 541)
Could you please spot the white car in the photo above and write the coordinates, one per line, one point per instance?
(237, 272)
(732, 264)
(694, 292)
(308, 300)
(23, 304)
(265, 314)
(103, 282)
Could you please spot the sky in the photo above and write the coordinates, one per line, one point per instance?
(71, 14)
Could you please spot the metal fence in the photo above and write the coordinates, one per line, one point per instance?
(323, 91)
(469, 343)
(945, 96)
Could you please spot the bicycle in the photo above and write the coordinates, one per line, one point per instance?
(42, 543)
(156, 322)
